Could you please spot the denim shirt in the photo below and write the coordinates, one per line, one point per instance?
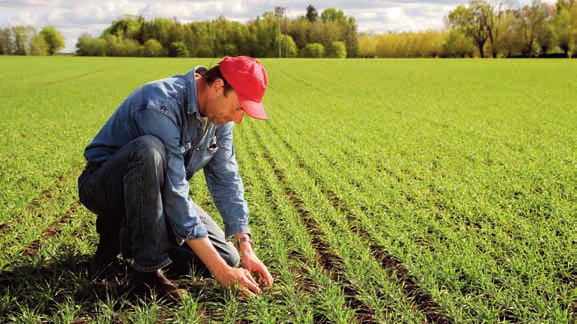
(168, 109)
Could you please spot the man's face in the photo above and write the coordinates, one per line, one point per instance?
(221, 108)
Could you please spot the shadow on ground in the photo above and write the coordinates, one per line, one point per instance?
(48, 288)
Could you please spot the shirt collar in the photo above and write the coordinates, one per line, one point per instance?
(192, 94)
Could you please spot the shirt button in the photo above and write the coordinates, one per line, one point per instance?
(198, 148)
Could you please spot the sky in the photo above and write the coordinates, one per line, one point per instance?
(75, 17)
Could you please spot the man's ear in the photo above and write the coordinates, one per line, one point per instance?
(218, 85)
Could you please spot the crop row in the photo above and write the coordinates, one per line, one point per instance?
(473, 263)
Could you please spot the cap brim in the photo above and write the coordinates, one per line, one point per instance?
(252, 108)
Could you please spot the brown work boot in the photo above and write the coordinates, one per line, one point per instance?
(155, 283)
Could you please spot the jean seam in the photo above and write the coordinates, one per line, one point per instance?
(163, 264)
(140, 195)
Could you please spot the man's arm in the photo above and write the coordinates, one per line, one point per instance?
(227, 191)
(250, 261)
(177, 204)
(224, 274)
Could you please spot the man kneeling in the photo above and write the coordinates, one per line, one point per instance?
(139, 164)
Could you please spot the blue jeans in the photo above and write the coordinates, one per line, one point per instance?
(125, 194)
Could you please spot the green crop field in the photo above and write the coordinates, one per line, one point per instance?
(380, 191)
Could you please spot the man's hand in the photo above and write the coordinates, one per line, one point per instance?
(240, 278)
(224, 274)
(250, 261)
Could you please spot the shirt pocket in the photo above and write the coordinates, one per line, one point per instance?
(185, 147)
(200, 156)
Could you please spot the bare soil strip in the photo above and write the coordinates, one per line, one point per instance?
(305, 283)
(423, 301)
(51, 193)
(52, 230)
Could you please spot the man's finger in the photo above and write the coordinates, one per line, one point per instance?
(251, 284)
(250, 278)
(264, 275)
(268, 280)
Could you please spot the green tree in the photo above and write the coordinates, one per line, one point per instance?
(263, 36)
(159, 30)
(495, 26)
(314, 50)
(200, 42)
(100, 47)
(127, 27)
(573, 25)
(22, 37)
(312, 14)
(367, 46)
(83, 45)
(230, 50)
(153, 48)
(39, 46)
(53, 38)
(350, 37)
(563, 25)
(509, 41)
(458, 45)
(297, 30)
(333, 15)
(529, 24)
(5, 41)
(289, 47)
(546, 39)
(473, 22)
(338, 50)
(178, 49)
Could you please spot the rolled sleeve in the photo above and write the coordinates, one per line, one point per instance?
(184, 221)
(225, 184)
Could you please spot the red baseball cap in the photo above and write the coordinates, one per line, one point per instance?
(248, 78)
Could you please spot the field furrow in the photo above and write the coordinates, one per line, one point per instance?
(374, 285)
(306, 260)
(388, 262)
(55, 204)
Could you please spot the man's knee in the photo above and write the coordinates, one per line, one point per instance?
(152, 150)
(231, 256)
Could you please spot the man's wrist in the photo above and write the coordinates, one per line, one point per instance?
(244, 243)
(220, 271)
(209, 256)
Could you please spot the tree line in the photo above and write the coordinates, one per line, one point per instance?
(330, 34)
(481, 28)
(486, 28)
(26, 40)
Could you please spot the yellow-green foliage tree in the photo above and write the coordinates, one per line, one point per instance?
(473, 22)
(458, 44)
(53, 38)
(529, 24)
(424, 44)
(314, 50)
(153, 48)
(565, 25)
(337, 50)
(289, 48)
(23, 36)
(367, 46)
(39, 46)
